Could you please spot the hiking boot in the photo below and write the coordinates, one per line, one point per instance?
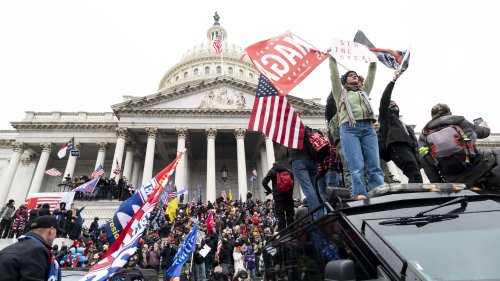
(376, 191)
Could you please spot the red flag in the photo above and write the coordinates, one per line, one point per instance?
(217, 44)
(284, 61)
(210, 224)
(275, 117)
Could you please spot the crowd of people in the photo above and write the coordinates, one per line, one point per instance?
(348, 156)
(236, 240)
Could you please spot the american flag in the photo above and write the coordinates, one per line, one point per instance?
(87, 187)
(99, 171)
(275, 117)
(217, 44)
(219, 247)
(117, 169)
(223, 195)
(53, 172)
(172, 195)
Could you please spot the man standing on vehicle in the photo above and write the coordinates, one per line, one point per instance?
(283, 200)
(31, 257)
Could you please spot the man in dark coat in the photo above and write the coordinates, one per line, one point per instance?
(397, 142)
(30, 258)
(484, 166)
(283, 202)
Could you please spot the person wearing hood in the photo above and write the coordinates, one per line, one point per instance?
(44, 210)
(397, 141)
(357, 133)
(483, 169)
(283, 202)
(250, 262)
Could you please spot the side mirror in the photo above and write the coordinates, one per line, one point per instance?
(340, 270)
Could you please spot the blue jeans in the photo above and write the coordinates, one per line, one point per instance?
(361, 151)
(199, 270)
(304, 172)
(329, 178)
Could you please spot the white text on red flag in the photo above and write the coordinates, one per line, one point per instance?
(284, 61)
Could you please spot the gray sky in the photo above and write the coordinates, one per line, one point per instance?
(59, 55)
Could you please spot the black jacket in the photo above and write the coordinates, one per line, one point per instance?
(271, 176)
(392, 130)
(480, 168)
(27, 259)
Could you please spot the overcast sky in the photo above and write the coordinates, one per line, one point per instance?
(85, 55)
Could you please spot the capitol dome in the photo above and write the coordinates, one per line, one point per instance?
(201, 62)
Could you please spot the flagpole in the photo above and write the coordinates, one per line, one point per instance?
(316, 48)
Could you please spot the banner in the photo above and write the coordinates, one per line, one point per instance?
(128, 208)
(351, 51)
(125, 245)
(184, 253)
(284, 61)
(52, 198)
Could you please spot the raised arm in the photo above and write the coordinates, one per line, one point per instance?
(335, 79)
(370, 78)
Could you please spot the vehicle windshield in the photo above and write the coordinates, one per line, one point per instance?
(466, 248)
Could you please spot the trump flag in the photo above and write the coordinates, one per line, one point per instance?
(284, 61)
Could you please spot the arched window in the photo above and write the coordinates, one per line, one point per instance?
(185, 75)
(176, 78)
(207, 70)
(196, 71)
(242, 73)
(230, 70)
(219, 70)
(251, 75)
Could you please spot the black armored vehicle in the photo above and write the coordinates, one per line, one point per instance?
(411, 232)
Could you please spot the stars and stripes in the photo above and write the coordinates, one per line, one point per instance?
(275, 117)
(217, 44)
(98, 172)
(53, 172)
(118, 169)
(87, 187)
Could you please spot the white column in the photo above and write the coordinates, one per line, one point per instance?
(18, 149)
(211, 134)
(41, 167)
(101, 154)
(150, 155)
(180, 172)
(264, 170)
(70, 165)
(129, 160)
(136, 173)
(121, 136)
(242, 164)
(270, 152)
(23, 178)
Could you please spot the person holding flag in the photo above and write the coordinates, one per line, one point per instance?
(357, 135)
(397, 141)
(186, 250)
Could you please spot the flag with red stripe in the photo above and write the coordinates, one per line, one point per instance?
(284, 60)
(53, 172)
(99, 171)
(275, 117)
(217, 44)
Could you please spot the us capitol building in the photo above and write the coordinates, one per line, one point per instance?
(201, 105)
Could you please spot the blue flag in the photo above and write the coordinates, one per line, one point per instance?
(187, 247)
